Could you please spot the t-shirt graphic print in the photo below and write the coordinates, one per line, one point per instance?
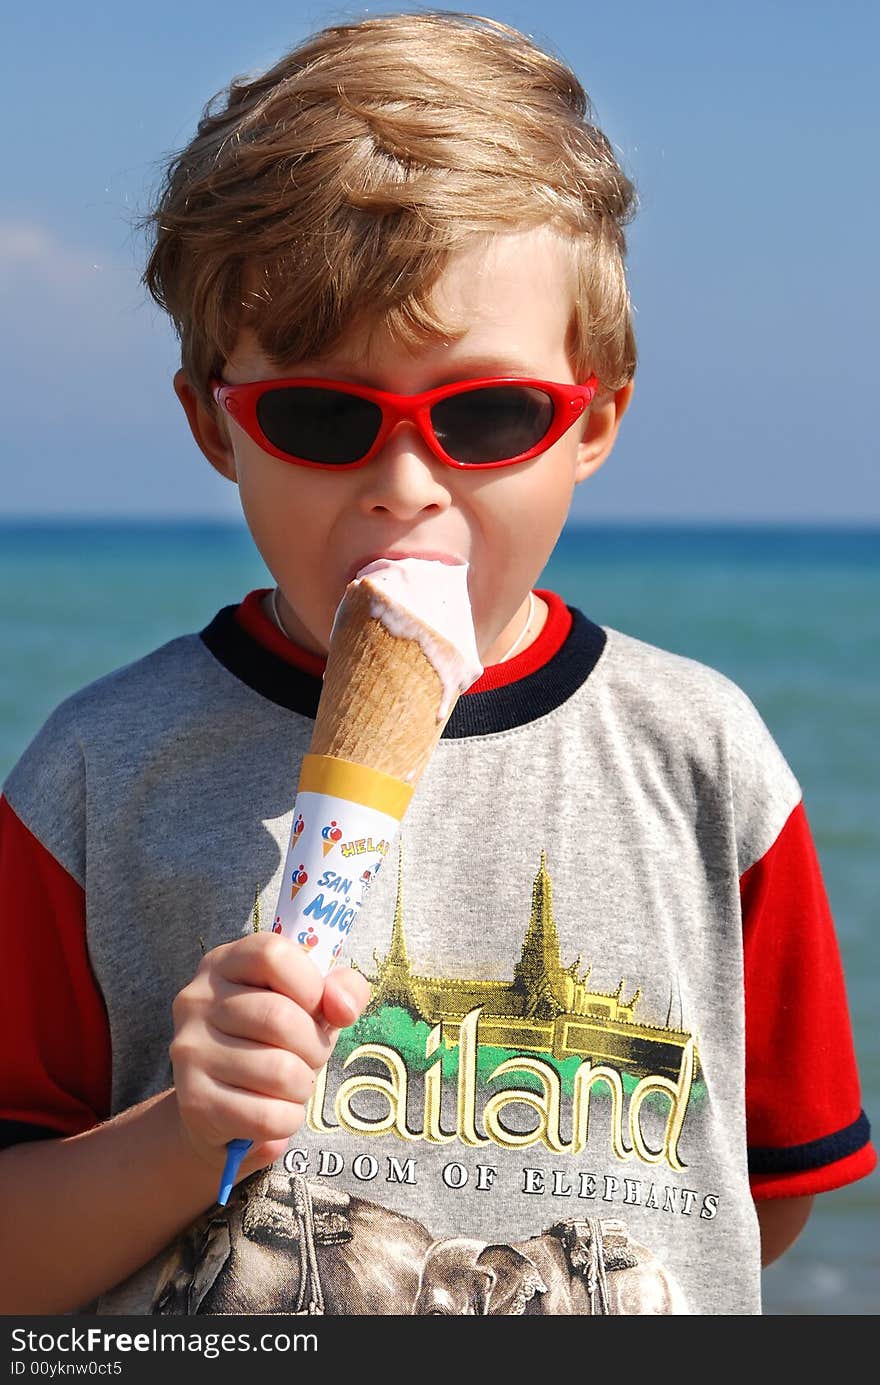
(466, 1078)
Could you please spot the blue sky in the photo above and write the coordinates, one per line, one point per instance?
(750, 130)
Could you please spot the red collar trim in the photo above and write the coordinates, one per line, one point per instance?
(251, 617)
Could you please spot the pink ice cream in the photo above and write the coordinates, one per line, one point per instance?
(428, 601)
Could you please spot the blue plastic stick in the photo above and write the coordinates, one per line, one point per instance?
(235, 1152)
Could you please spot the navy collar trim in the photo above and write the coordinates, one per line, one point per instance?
(475, 714)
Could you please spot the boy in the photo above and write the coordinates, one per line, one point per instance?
(604, 937)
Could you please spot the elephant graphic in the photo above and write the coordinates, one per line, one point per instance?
(283, 1245)
(575, 1267)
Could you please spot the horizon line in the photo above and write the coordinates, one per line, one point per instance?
(599, 522)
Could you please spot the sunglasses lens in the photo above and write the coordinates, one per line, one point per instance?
(492, 424)
(319, 425)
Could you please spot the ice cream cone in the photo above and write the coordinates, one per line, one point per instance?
(382, 698)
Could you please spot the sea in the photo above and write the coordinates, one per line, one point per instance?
(791, 614)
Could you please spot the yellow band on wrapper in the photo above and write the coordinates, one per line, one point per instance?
(357, 783)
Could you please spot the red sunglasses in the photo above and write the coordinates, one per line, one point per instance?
(472, 423)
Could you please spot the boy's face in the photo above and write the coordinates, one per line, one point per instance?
(311, 526)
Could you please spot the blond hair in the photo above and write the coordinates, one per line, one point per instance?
(331, 190)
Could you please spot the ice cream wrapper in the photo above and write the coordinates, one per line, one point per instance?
(345, 821)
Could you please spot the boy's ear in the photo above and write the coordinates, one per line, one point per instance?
(600, 429)
(208, 428)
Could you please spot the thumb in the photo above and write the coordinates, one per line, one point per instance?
(346, 993)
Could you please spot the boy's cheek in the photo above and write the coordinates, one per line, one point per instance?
(272, 514)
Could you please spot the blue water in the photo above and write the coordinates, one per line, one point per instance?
(792, 615)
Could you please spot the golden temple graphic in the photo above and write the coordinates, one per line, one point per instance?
(547, 1008)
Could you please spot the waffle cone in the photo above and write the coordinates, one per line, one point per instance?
(381, 695)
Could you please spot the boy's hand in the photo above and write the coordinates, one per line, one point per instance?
(251, 1032)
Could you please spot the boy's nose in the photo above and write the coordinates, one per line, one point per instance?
(405, 476)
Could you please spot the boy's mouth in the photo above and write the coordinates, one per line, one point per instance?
(394, 554)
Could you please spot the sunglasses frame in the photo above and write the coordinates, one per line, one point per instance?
(570, 402)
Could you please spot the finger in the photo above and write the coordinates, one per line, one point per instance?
(256, 1068)
(237, 1113)
(275, 963)
(265, 1017)
(259, 1156)
(346, 993)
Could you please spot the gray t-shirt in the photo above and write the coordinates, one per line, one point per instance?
(543, 1108)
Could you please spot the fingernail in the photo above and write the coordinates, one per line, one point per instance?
(349, 1005)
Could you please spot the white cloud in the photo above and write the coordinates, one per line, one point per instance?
(20, 242)
(70, 301)
(29, 249)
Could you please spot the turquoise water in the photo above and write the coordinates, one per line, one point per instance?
(792, 615)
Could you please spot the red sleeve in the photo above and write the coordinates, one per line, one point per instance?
(54, 1035)
(806, 1130)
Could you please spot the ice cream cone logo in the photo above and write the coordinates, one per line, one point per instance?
(298, 828)
(307, 939)
(366, 877)
(336, 953)
(332, 834)
(298, 879)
